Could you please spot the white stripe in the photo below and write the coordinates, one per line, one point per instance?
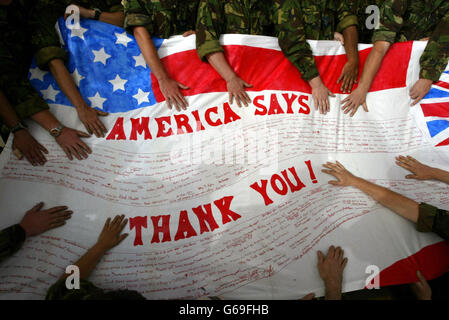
(177, 44)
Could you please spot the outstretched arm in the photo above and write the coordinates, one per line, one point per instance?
(87, 115)
(372, 65)
(109, 237)
(236, 86)
(350, 71)
(403, 206)
(169, 87)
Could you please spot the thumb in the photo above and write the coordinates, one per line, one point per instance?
(101, 113)
(365, 107)
(410, 176)
(82, 134)
(182, 86)
(421, 278)
(320, 257)
(331, 94)
(309, 296)
(37, 207)
(247, 84)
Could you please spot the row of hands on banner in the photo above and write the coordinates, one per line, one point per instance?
(70, 140)
(330, 266)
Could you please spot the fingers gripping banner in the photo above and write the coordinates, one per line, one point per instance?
(223, 200)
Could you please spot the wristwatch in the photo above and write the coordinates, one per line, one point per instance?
(19, 126)
(56, 132)
(97, 13)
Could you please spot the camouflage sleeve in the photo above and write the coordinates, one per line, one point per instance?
(292, 39)
(59, 291)
(391, 20)
(11, 240)
(44, 39)
(209, 26)
(136, 16)
(433, 219)
(21, 95)
(436, 55)
(346, 16)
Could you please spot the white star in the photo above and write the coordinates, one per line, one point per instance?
(140, 61)
(141, 97)
(97, 101)
(78, 32)
(101, 56)
(118, 83)
(122, 38)
(50, 93)
(77, 76)
(37, 73)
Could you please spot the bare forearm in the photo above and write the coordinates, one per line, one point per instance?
(115, 18)
(218, 61)
(87, 263)
(332, 291)
(351, 37)
(7, 113)
(373, 63)
(66, 83)
(149, 53)
(403, 206)
(46, 120)
(441, 175)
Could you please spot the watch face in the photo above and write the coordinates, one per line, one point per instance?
(55, 132)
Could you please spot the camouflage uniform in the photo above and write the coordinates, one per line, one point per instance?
(406, 20)
(11, 240)
(161, 18)
(432, 219)
(359, 8)
(88, 291)
(316, 20)
(15, 60)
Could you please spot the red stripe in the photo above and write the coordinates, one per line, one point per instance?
(268, 69)
(432, 261)
(435, 109)
(442, 84)
(443, 143)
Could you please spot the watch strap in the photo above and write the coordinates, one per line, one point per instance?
(97, 13)
(19, 126)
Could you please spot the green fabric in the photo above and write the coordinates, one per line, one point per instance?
(161, 18)
(407, 20)
(432, 219)
(59, 291)
(11, 240)
(359, 8)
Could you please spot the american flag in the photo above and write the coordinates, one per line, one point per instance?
(106, 64)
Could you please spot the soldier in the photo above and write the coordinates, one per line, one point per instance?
(161, 19)
(292, 22)
(366, 11)
(428, 218)
(18, 100)
(319, 21)
(402, 20)
(50, 56)
(34, 222)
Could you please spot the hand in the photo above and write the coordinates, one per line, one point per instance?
(354, 100)
(339, 37)
(320, 94)
(170, 90)
(331, 270)
(188, 33)
(110, 235)
(29, 147)
(344, 177)
(37, 221)
(420, 171)
(236, 88)
(349, 76)
(84, 13)
(420, 89)
(421, 289)
(69, 140)
(89, 117)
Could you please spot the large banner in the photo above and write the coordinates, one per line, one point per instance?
(223, 200)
